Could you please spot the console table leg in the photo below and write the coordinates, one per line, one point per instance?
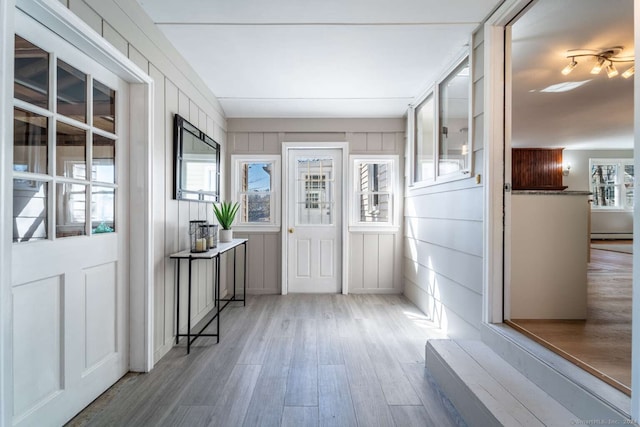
(177, 300)
(189, 310)
(244, 277)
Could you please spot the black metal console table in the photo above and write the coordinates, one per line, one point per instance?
(211, 254)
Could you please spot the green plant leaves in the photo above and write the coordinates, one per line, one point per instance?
(226, 213)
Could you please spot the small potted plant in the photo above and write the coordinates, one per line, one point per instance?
(225, 214)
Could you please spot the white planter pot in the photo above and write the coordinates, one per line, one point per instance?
(226, 236)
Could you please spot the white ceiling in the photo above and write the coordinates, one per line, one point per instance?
(332, 58)
(597, 115)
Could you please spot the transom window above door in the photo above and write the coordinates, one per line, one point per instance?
(64, 148)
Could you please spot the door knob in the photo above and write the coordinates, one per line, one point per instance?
(290, 230)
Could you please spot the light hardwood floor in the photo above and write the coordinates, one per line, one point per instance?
(602, 343)
(295, 360)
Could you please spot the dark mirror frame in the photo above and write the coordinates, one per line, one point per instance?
(183, 128)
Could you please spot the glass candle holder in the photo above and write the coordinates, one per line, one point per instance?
(199, 236)
(213, 236)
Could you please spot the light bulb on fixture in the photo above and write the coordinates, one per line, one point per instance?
(596, 68)
(604, 58)
(630, 72)
(569, 68)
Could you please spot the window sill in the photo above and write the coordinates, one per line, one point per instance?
(373, 229)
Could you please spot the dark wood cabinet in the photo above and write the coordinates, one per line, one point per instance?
(536, 169)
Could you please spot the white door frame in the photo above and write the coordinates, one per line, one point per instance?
(494, 137)
(286, 174)
(71, 28)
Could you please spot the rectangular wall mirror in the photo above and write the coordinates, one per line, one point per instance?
(197, 163)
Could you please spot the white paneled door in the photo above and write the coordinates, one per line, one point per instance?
(314, 220)
(70, 261)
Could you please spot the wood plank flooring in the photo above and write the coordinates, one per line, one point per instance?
(602, 343)
(295, 360)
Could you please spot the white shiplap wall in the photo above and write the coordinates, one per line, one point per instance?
(375, 257)
(177, 89)
(443, 236)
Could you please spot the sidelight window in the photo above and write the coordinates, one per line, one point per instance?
(255, 186)
(374, 191)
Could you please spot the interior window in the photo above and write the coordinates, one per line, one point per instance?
(42, 186)
(442, 145)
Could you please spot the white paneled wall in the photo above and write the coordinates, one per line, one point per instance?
(443, 236)
(375, 258)
(177, 89)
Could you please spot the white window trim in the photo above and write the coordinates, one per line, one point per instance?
(611, 161)
(395, 198)
(236, 185)
(434, 91)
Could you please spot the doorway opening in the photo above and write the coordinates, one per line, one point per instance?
(568, 270)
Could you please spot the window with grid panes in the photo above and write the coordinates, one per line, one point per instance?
(61, 131)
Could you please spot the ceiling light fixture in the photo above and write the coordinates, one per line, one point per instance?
(630, 72)
(598, 67)
(611, 70)
(569, 68)
(602, 56)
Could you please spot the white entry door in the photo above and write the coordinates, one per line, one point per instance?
(70, 258)
(314, 220)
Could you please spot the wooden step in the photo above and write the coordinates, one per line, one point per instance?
(488, 391)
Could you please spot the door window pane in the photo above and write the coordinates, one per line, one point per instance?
(71, 152)
(30, 152)
(104, 107)
(103, 204)
(314, 191)
(425, 144)
(70, 209)
(103, 165)
(31, 73)
(72, 92)
(30, 200)
(454, 121)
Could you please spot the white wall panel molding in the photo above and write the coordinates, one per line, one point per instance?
(317, 125)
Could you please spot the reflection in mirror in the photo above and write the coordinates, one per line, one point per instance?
(72, 92)
(454, 121)
(71, 148)
(30, 153)
(30, 200)
(197, 163)
(31, 73)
